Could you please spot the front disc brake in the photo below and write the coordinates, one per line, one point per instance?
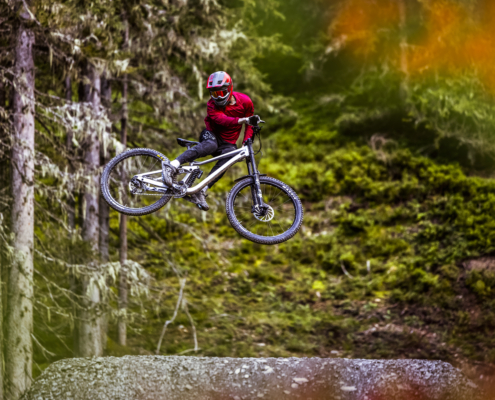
(264, 215)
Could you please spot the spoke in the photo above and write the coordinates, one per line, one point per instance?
(281, 205)
(253, 223)
(153, 166)
(270, 225)
(278, 194)
(141, 167)
(286, 214)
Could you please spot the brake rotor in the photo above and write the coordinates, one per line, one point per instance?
(266, 215)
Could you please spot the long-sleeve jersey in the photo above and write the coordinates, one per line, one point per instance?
(224, 121)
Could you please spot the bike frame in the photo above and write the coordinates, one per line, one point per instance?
(245, 152)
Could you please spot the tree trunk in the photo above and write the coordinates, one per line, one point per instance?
(19, 323)
(71, 213)
(71, 204)
(204, 378)
(6, 261)
(106, 99)
(1, 329)
(3, 184)
(90, 319)
(122, 324)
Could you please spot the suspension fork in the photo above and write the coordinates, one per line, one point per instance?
(256, 193)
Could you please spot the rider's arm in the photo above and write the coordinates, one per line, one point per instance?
(248, 134)
(219, 117)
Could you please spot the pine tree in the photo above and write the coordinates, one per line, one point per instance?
(90, 320)
(19, 323)
(122, 304)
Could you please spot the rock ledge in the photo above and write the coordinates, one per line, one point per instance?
(204, 378)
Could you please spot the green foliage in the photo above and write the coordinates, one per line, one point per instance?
(457, 108)
(414, 222)
(380, 266)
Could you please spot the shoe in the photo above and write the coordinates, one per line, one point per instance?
(199, 199)
(169, 172)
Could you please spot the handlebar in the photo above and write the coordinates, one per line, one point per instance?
(255, 120)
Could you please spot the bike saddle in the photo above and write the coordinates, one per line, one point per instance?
(186, 143)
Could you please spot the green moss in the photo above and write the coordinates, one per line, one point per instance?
(401, 225)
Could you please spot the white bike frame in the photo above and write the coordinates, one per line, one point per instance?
(239, 155)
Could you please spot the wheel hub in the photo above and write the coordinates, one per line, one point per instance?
(266, 214)
(135, 186)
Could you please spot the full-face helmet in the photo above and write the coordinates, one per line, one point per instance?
(221, 87)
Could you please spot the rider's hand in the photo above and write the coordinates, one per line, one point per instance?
(253, 121)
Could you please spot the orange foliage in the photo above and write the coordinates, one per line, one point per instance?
(453, 38)
(360, 21)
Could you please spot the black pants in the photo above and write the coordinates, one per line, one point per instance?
(209, 144)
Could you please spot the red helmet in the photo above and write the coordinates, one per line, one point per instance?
(221, 87)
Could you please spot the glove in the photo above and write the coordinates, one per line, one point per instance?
(252, 121)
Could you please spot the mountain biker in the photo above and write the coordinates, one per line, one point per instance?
(226, 112)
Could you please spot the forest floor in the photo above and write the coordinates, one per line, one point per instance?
(253, 301)
(394, 260)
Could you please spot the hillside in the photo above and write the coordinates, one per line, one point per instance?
(393, 261)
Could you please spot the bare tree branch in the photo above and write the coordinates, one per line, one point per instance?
(179, 301)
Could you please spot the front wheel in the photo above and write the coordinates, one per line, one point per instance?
(278, 222)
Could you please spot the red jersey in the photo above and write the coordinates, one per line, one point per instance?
(224, 121)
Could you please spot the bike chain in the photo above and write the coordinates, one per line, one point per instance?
(152, 194)
(157, 194)
(161, 194)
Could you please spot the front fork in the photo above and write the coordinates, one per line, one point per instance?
(257, 195)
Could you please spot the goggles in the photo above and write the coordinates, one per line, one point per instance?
(219, 93)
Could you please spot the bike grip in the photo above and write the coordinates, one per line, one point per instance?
(254, 120)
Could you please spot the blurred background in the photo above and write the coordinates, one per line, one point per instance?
(380, 114)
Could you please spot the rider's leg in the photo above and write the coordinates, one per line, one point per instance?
(208, 145)
(200, 198)
(223, 148)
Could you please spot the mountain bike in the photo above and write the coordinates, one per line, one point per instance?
(260, 208)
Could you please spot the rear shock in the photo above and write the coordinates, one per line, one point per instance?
(196, 174)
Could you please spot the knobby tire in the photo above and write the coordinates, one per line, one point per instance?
(105, 190)
(269, 240)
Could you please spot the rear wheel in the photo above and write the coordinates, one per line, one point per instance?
(278, 222)
(124, 190)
